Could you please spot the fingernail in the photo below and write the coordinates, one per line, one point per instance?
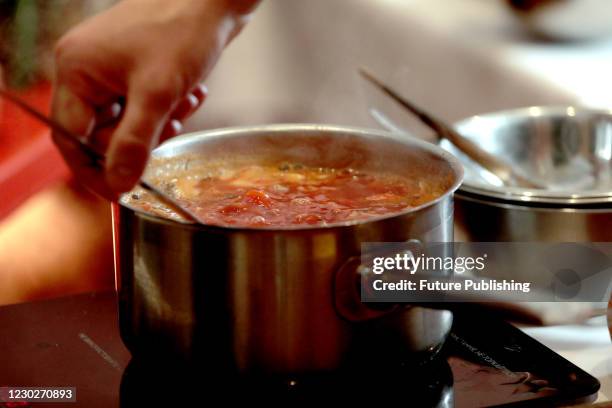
(177, 126)
(193, 101)
(201, 91)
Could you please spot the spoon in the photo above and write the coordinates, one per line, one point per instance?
(97, 159)
(487, 160)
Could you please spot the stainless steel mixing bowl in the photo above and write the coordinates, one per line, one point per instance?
(565, 19)
(568, 149)
(263, 300)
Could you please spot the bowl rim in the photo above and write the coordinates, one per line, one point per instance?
(488, 201)
(523, 196)
(454, 164)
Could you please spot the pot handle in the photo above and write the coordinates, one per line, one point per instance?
(347, 291)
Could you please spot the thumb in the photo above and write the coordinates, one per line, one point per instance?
(146, 113)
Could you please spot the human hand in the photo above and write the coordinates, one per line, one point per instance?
(149, 54)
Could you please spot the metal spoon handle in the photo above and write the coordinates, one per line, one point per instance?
(97, 158)
(487, 160)
(169, 201)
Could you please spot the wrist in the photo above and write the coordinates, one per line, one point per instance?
(232, 15)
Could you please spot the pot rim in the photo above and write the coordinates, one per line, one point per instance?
(528, 206)
(524, 195)
(455, 166)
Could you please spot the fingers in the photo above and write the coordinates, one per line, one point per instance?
(77, 116)
(147, 111)
(149, 118)
(200, 92)
(185, 108)
(172, 128)
(84, 170)
(190, 103)
(71, 111)
(101, 136)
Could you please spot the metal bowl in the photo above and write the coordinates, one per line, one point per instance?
(567, 149)
(567, 20)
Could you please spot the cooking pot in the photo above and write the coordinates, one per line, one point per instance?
(264, 300)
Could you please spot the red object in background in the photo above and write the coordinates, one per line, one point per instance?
(29, 160)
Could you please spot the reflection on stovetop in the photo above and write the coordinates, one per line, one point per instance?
(164, 384)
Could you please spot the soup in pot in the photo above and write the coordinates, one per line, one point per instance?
(284, 194)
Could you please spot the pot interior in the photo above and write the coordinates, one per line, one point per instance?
(308, 145)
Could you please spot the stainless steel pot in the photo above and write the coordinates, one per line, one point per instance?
(478, 219)
(264, 300)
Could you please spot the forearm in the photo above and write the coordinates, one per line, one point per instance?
(237, 11)
(232, 14)
(229, 15)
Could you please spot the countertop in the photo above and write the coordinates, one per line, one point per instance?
(587, 345)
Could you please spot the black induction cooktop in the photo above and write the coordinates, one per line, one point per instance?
(74, 342)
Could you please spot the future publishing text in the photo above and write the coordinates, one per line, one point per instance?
(426, 273)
